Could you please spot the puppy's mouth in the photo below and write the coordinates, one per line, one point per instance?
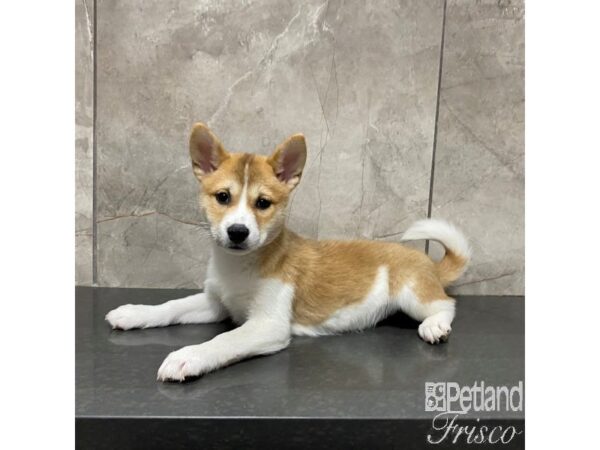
(234, 248)
(237, 249)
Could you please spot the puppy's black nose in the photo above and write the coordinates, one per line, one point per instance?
(238, 233)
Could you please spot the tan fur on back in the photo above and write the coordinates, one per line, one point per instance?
(329, 275)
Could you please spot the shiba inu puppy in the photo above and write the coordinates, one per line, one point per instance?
(275, 283)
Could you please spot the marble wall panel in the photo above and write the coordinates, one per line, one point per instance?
(479, 173)
(359, 79)
(84, 136)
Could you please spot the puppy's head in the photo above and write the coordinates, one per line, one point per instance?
(244, 196)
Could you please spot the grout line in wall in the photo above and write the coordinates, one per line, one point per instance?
(94, 159)
(435, 128)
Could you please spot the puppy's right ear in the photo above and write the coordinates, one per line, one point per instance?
(206, 150)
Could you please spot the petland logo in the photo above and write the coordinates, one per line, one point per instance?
(450, 400)
(451, 397)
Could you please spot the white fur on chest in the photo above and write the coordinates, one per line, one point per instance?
(235, 280)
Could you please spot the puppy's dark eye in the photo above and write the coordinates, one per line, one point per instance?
(223, 197)
(263, 203)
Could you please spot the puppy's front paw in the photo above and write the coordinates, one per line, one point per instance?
(181, 364)
(434, 330)
(127, 317)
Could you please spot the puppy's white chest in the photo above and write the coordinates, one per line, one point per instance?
(235, 281)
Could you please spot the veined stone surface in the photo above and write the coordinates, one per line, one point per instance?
(359, 79)
(479, 174)
(84, 136)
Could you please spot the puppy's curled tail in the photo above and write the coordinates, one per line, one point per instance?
(458, 250)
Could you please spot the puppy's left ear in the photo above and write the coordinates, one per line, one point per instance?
(288, 160)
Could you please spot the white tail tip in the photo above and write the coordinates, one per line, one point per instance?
(439, 230)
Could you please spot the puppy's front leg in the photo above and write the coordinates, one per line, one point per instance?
(197, 308)
(267, 330)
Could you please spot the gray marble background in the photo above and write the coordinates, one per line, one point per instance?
(410, 108)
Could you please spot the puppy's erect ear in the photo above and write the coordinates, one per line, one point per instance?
(206, 150)
(288, 160)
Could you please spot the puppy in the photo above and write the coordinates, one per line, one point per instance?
(275, 283)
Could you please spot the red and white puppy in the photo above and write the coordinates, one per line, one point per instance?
(276, 284)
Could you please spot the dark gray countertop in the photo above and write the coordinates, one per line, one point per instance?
(379, 373)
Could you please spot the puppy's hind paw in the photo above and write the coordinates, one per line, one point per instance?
(433, 330)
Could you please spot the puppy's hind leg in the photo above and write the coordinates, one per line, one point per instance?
(433, 308)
